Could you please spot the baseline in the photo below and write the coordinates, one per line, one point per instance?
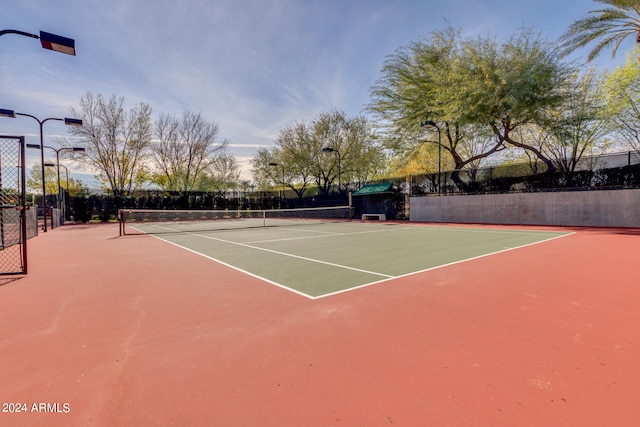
(442, 266)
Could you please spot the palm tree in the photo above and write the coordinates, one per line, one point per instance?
(607, 27)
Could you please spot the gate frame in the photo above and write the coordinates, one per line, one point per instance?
(22, 207)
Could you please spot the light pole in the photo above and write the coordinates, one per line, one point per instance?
(66, 171)
(58, 150)
(429, 124)
(49, 41)
(333, 150)
(67, 121)
(282, 191)
(58, 165)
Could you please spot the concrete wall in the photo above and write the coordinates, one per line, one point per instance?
(615, 208)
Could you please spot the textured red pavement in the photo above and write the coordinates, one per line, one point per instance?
(131, 331)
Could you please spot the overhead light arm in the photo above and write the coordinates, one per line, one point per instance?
(49, 41)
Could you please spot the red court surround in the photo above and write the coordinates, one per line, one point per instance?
(132, 331)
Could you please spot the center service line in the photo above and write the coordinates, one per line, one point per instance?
(294, 256)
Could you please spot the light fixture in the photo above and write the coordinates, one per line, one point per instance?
(432, 124)
(333, 150)
(49, 41)
(67, 121)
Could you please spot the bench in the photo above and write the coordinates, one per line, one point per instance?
(379, 217)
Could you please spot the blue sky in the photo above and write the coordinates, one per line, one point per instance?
(251, 66)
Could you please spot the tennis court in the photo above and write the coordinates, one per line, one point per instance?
(317, 257)
(477, 326)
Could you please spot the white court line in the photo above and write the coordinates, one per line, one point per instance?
(364, 285)
(293, 238)
(491, 230)
(264, 279)
(315, 237)
(329, 233)
(346, 267)
(440, 266)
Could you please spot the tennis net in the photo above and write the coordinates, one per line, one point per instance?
(154, 221)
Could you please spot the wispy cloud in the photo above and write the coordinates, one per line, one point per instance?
(251, 66)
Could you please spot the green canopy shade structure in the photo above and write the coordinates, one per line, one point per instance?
(382, 199)
(382, 187)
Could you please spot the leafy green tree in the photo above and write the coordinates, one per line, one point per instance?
(420, 82)
(222, 174)
(264, 175)
(73, 186)
(420, 160)
(346, 150)
(579, 126)
(76, 187)
(34, 180)
(607, 28)
(479, 92)
(298, 154)
(510, 85)
(622, 94)
(580, 123)
(290, 163)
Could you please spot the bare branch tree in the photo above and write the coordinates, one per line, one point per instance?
(185, 150)
(115, 140)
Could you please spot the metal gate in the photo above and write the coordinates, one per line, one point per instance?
(13, 208)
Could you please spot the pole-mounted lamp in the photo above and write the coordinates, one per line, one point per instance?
(49, 41)
(432, 124)
(58, 150)
(67, 121)
(333, 150)
(66, 170)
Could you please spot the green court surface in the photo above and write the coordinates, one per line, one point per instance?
(317, 260)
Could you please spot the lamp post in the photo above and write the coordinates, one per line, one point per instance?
(58, 150)
(49, 41)
(66, 170)
(281, 191)
(430, 124)
(333, 150)
(68, 122)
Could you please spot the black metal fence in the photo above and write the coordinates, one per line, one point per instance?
(104, 208)
(611, 171)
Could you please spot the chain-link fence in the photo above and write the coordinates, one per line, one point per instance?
(13, 224)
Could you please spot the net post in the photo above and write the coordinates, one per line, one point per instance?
(121, 222)
(350, 205)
